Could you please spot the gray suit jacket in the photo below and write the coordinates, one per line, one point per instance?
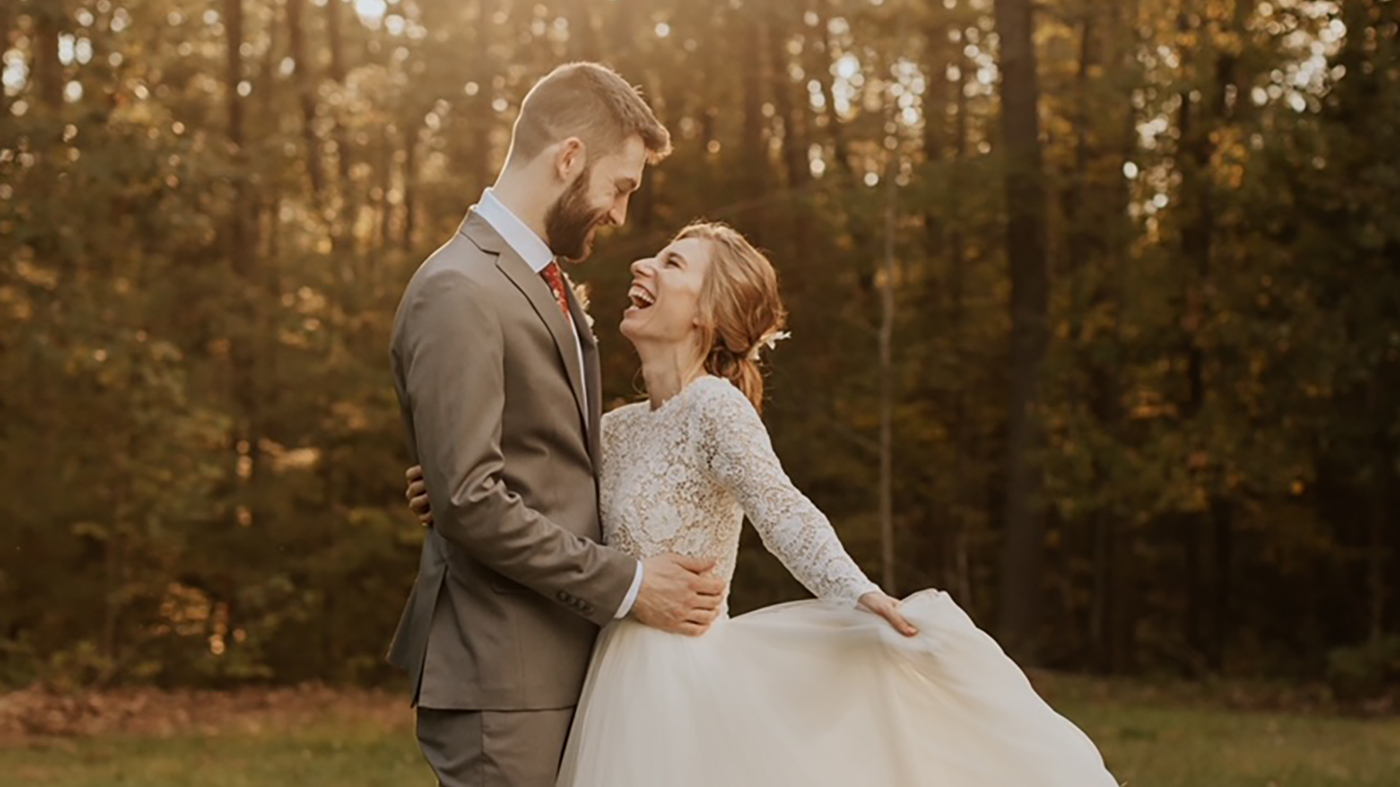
(513, 582)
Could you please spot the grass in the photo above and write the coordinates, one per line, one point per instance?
(1147, 742)
(1188, 747)
(332, 752)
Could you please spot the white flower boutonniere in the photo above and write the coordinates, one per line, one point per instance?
(581, 295)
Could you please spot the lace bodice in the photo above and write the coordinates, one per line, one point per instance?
(680, 479)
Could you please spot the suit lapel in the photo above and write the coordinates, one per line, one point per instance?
(537, 292)
(592, 372)
(540, 297)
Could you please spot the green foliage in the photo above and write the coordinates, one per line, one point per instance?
(200, 450)
(1365, 671)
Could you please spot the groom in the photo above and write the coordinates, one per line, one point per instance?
(497, 377)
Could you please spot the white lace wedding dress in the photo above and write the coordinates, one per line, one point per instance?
(804, 694)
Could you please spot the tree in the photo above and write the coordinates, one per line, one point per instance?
(1030, 289)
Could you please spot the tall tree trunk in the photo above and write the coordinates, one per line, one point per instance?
(799, 172)
(886, 282)
(266, 220)
(1198, 123)
(819, 67)
(935, 120)
(1231, 84)
(1119, 645)
(7, 19)
(267, 74)
(945, 547)
(306, 98)
(1024, 555)
(1378, 508)
(964, 434)
(1082, 235)
(410, 183)
(863, 233)
(1192, 157)
(115, 578)
(641, 210)
(753, 150)
(241, 262)
(790, 113)
(385, 173)
(48, 70)
(233, 77)
(345, 197)
(482, 115)
(1222, 520)
(1082, 265)
(583, 33)
(1095, 206)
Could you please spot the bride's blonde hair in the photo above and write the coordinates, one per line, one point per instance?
(740, 309)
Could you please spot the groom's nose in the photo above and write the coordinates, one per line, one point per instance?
(641, 265)
(618, 214)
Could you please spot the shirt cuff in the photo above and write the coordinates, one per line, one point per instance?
(631, 597)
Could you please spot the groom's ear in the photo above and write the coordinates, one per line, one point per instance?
(570, 159)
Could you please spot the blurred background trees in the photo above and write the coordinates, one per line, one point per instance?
(1096, 302)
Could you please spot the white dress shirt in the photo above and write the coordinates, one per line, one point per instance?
(537, 255)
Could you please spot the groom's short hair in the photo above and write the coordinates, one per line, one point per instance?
(593, 103)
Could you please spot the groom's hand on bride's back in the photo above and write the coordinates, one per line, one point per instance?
(676, 596)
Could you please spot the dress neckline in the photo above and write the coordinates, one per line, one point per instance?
(654, 411)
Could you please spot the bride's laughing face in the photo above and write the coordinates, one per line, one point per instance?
(665, 294)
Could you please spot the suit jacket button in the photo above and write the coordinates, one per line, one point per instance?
(564, 597)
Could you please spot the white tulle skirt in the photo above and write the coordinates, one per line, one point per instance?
(813, 693)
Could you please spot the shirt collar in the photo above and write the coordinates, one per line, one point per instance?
(514, 232)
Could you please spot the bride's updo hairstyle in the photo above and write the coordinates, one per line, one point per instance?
(740, 310)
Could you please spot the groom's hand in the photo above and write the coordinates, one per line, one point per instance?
(677, 597)
(417, 495)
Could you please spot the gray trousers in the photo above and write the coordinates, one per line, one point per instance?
(494, 748)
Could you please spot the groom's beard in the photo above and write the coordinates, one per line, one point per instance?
(570, 222)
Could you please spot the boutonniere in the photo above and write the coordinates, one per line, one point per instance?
(581, 295)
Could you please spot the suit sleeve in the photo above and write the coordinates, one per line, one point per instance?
(452, 366)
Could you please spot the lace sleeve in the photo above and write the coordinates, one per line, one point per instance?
(607, 431)
(740, 457)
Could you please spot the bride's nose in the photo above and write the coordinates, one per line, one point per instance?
(642, 266)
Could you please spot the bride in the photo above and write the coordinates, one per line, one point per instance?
(809, 693)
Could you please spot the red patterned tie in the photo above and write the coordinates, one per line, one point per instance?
(555, 279)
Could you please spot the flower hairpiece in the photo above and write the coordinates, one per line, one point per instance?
(769, 340)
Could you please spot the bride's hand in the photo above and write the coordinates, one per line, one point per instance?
(417, 495)
(888, 608)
